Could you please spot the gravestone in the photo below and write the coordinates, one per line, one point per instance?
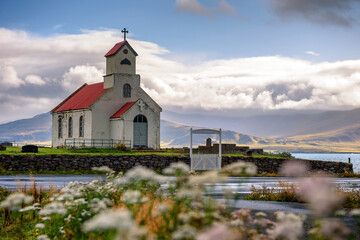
(29, 149)
(2, 148)
(208, 142)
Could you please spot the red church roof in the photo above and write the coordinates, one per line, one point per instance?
(118, 46)
(82, 98)
(123, 109)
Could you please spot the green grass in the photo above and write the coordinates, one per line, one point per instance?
(84, 151)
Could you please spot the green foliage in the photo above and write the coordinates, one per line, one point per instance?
(286, 155)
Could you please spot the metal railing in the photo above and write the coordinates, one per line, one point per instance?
(96, 143)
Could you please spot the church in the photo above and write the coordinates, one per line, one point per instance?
(114, 111)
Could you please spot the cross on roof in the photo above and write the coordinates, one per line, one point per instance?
(125, 32)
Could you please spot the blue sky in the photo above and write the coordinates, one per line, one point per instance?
(254, 29)
(264, 55)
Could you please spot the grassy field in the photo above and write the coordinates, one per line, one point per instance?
(84, 151)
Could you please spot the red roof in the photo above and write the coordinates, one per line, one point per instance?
(118, 46)
(82, 98)
(115, 48)
(123, 109)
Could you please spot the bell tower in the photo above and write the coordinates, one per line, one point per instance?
(121, 59)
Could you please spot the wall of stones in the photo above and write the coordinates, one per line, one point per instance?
(125, 162)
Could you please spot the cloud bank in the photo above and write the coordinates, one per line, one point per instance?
(37, 73)
(194, 7)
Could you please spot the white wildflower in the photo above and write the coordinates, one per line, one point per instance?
(68, 218)
(103, 169)
(40, 226)
(15, 200)
(131, 196)
(293, 169)
(177, 169)
(288, 226)
(53, 208)
(61, 230)
(185, 232)
(140, 173)
(109, 219)
(80, 201)
(96, 205)
(355, 212)
(35, 206)
(321, 194)
(207, 177)
(42, 237)
(218, 231)
(240, 168)
(85, 213)
(46, 218)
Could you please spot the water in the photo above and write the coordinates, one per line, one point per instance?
(333, 157)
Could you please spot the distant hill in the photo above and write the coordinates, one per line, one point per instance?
(327, 131)
(35, 129)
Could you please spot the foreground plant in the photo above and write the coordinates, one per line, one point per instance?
(142, 204)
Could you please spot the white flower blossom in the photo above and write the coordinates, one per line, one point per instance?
(207, 177)
(178, 169)
(15, 200)
(140, 173)
(35, 206)
(240, 168)
(43, 237)
(131, 196)
(109, 219)
(53, 208)
(40, 226)
(185, 232)
(288, 226)
(103, 169)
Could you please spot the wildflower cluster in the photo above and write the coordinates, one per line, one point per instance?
(142, 204)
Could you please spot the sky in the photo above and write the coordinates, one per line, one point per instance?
(194, 55)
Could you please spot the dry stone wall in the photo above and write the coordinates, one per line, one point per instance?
(155, 162)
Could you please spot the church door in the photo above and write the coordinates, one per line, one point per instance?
(140, 132)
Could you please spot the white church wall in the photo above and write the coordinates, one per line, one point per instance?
(116, 129)
(110, 103)
(75, 114)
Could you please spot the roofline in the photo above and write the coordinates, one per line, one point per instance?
(52, 111)
(126, 109)
(107, 89)
(125, 43)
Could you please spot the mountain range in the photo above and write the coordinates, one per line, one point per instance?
(325, 131)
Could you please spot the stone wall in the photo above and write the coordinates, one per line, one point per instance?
(125, 162)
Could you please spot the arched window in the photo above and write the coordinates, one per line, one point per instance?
(81, 126)
(140, 118)
(125, 61)
(60, 127)
(127, 90)
(70, 127)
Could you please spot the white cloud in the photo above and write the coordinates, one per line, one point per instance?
(78, 75)
(312, 53)
(34, 79)
(38, 72)
(9, 77)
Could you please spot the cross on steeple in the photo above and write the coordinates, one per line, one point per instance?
(125, 32)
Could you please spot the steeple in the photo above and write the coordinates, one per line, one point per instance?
(121, 59)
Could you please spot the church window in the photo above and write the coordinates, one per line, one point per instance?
(127, 90)
(81, 126)
(140, 118)
(125, 61)
(70, 129)
(60, 127)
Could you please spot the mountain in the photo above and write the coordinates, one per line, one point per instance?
(280, 125)
(326, 131)
(35, 129)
